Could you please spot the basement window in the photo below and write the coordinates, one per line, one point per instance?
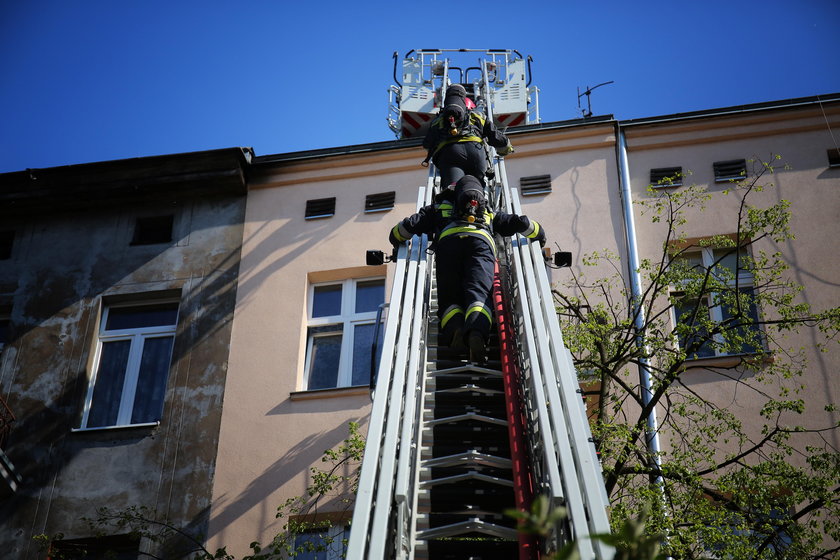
(320, 208)
(733, 169)
(663, 177)
(834, 157)
(537, 184)
(381, 202)
(115, 547)
(7, 240)
(151, 230)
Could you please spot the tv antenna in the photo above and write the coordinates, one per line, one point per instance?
(586, 113)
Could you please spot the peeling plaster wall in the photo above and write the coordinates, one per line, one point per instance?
(62, 268)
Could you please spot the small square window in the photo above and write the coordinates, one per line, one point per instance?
(151, 230)
(834, 157)
(381, 202)
(663, 177)
(7, 241)
(733, 169)
(320, 208)
(4, 331)
(537, 184)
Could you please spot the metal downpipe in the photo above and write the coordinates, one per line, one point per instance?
(652, 431)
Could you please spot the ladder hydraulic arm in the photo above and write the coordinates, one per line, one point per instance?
(440, 467)
(563, 463)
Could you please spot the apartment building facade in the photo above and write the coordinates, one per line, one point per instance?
(118, 289)
(293, 351)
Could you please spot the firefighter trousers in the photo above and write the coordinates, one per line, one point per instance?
(464, 265)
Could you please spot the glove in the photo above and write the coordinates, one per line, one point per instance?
(540, 238)
(508, 149)
(393, 240)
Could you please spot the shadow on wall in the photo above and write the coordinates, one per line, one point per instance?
(44, 368)
(294, 461)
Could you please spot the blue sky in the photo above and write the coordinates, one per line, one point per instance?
(100, 80)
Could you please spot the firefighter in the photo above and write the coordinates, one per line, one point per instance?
(461, 229)
(454, 141)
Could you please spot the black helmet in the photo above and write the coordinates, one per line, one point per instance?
(456, 89)
(469, 198)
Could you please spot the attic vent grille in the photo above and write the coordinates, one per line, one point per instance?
(731, 169)
(320, 208)
(538, 184)
(380, 202)
(834, 157)
(153, 229)
(666, 177)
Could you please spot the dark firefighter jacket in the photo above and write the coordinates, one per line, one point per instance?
(440, 222)
(478, 128)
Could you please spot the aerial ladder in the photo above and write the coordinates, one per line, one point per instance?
(452, 444)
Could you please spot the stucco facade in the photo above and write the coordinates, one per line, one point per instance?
(75, 253)
(240, 428)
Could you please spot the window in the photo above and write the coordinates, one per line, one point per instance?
(342, 324)
(132, 366)
(329, 543)
(538, 184)
(664, 177)
(698, 312)
(320, 208)
(7, 240)
(153, 229)
(4, 328)
(733, 169)
(380, 202)
(834, 157)
(118, 547)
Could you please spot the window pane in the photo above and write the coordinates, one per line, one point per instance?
(151, 382)
(142, 316)
(110, 376)
(328, 543)
(369, 295)
(690, 260)
(327, 301)
(683, 310)
(323, 365)
(362, 341)
(747, 331)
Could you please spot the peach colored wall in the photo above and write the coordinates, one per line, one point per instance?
(802, 138)
(268, 440)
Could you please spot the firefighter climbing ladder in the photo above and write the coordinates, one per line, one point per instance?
(451, 444)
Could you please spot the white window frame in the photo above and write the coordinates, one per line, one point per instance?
(745, 279)
(137, 336)
(348, 318)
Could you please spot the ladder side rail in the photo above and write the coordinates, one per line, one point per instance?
(370, 462)
(565, 402)
(573, 405)
(406, 486)
(396, 325)
(539, 353)
(536, 384)
(381, 523)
